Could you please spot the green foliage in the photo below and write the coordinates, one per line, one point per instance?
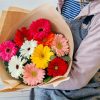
(6, 66)
(52, 57)
(47, 78)
(67, 58)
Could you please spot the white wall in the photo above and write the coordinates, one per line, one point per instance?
(29, 4)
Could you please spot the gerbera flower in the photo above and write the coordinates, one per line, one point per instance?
(57, 67)
(40, 29)
(32, 75)
(15, 66)
(60, 45)
(21, 36)
(7, 50)
(41, 56)
(27, 48)
(47, 41)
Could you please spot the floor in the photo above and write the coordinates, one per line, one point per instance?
(19, 95)
(27, 4)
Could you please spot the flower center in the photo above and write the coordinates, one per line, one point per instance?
(25, 38)
(59, 45)
(28, 49)
(34, 74)
(17, 66)
(40, 29)
(7, 50)
(56, 67)
(44, 40)
(42, 56)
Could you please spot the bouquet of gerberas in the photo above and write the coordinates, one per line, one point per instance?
(36, 54)
(39, 52)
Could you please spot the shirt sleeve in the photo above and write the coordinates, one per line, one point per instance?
(87, 59)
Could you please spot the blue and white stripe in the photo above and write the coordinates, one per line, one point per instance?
(71, 9)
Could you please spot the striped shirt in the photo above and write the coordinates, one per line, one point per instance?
(71, 8)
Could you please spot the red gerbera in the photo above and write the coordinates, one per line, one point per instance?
(40, 29)
(57, 67)
(21, 36)
(47, 41)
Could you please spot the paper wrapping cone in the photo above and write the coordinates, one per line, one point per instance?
(3, 15)
(8, 19)
(58, 26)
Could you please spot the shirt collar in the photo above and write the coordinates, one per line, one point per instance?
(91, 9)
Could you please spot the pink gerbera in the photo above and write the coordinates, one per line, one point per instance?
(60, 45)
(7, 50)
(32, 75)
(40, 28)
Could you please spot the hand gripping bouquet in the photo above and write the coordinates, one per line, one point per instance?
(36, 48)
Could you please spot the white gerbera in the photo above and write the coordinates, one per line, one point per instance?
(28, 48)
(15, 66)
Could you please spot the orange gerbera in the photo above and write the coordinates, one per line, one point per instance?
(47, 41)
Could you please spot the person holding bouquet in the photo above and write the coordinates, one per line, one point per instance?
(84, 76)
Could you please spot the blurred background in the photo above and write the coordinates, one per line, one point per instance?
(26, 4)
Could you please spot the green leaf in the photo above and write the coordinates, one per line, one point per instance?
(18, 54)
(6, 66)
(52, 57)
(20, 78)
(48, 78)
(67, 58)
(6, 63)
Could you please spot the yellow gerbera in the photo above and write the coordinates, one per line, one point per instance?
(41, 56)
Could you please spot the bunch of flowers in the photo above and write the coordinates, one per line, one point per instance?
(36, 54)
